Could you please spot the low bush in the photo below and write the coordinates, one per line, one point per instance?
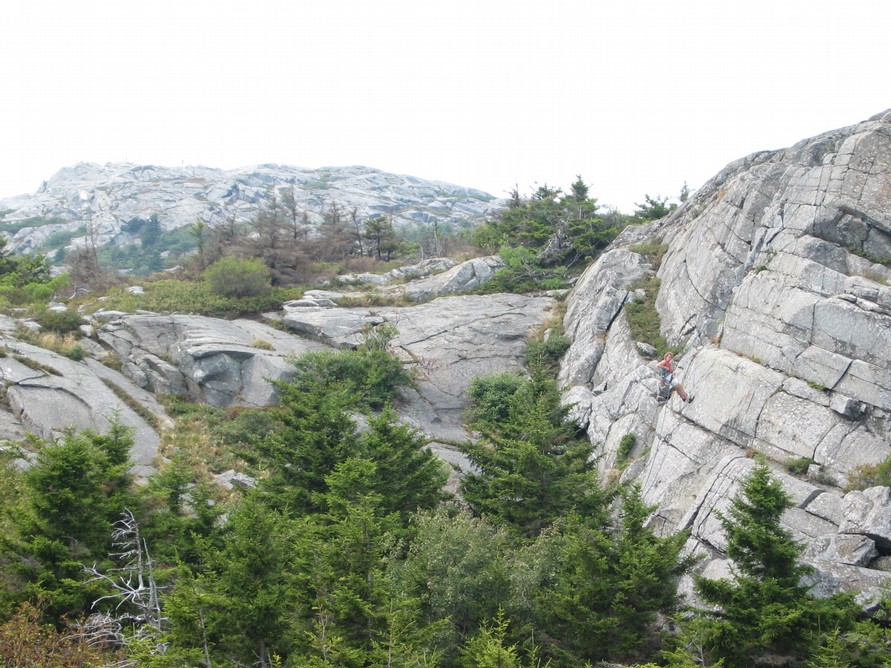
(60, 322)
(547, 351)
(373, 375)
(232, 277)
(626, 445)
(643, 318)
(175, 296)
(798, 465)
(871, 475)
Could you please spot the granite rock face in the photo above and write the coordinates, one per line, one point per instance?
(774, 286)
(46, 393)
(445, 343)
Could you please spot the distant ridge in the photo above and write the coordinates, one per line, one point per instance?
(105, 198)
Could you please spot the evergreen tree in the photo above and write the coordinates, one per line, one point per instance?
(764, 608)
(180, 512)
(382, 237)
(599, 590)
(534, 467)
(409, 477)
(488, 650)
(75, 491)
(317, 433)
(653, 208)
(562, 230)
(338, 568)
(250, 586)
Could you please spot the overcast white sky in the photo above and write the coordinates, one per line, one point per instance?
(636, 96)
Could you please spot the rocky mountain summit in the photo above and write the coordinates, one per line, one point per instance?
(103, 199)
(773, 286)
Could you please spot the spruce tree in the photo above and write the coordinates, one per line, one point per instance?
(600, 588)
(75, 491)
(764, 609)
(409, 476)
(534, 466)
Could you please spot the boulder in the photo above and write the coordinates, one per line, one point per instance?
(458, 280)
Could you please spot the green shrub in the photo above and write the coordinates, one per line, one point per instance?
(547, 352)
(491, 396)
(372, 374)
(871, 475)
(231, 277)
(643, 318)
(245, 426)
(76, 352)
(798, 465)
(60, 322)
(626, 445)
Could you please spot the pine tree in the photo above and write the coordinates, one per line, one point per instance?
(251, 588)
(338, 567)
(409, 476)
(600, 589)
(533, 467)
(488, 649)
(76, 490)
(764, 608)
(317, 433)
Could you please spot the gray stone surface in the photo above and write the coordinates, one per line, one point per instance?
(217, 361)
(46, 393)
(446, 343)
(786, 340)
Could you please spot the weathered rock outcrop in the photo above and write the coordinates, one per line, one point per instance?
(45, 393)
(132, 358)
(772, 287)
(219, 362)
(446, 343)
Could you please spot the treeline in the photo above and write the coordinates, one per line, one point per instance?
(348, 552)
(544, 238)
(296, 245)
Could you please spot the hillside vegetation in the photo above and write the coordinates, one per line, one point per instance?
(343, 548)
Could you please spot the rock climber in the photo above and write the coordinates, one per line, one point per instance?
(666, 371)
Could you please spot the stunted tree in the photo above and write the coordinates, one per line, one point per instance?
(274, 242)
(337, 240)
(562, 229)
(297, 218)
(653, 208)
(381, 237)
